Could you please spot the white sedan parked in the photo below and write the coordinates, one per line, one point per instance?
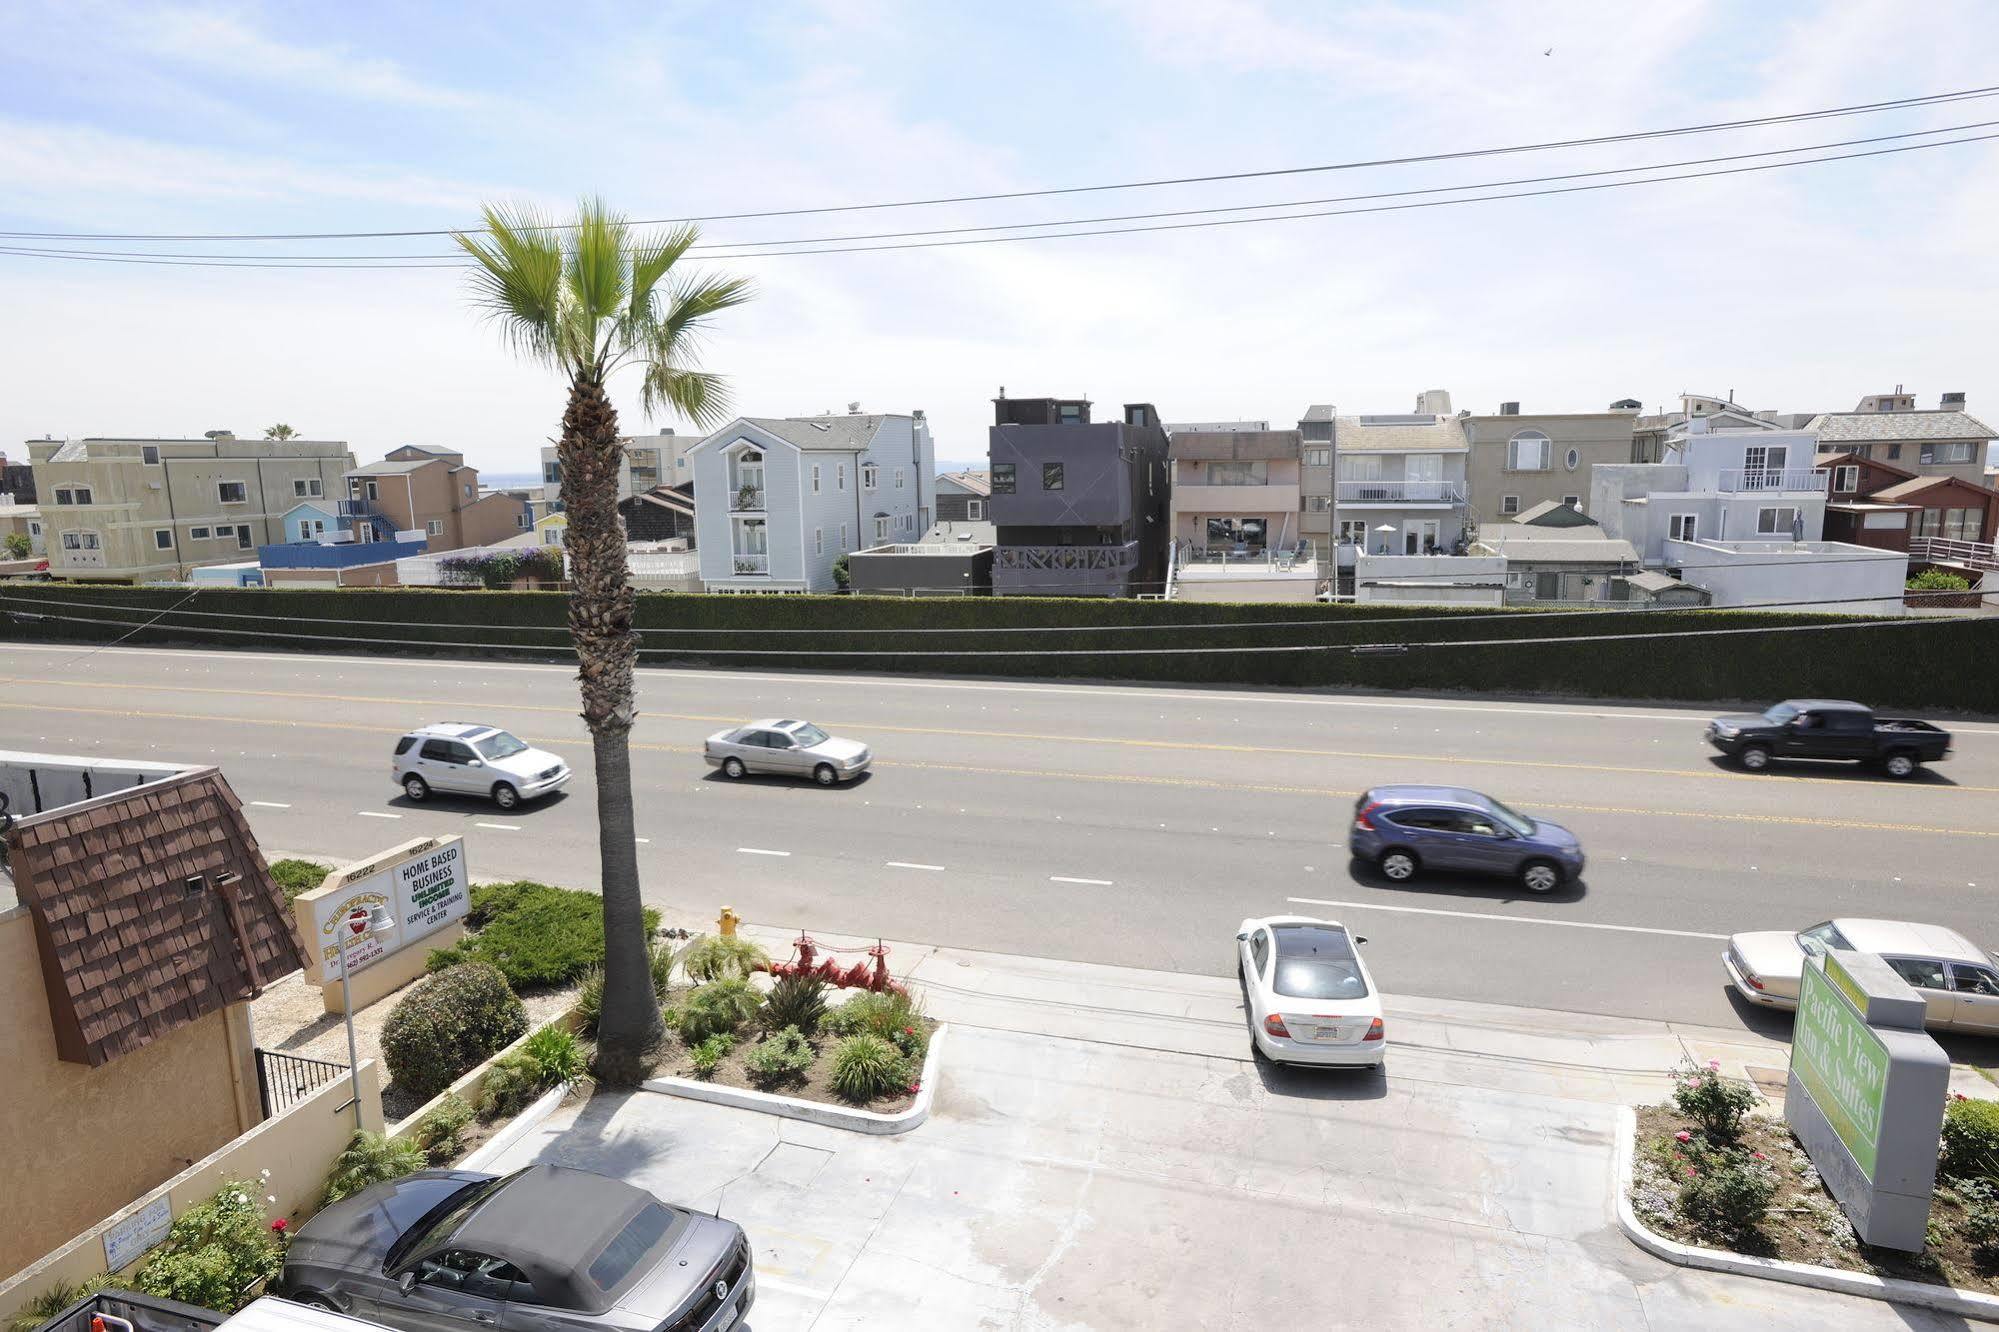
(1311, 1000)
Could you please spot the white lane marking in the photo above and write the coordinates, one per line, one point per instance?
(269, 804)
(1094, 883)
(759, 851)
(376, 814)
(910, 864)
(1517, 920)
(502, 827)
(646, 841)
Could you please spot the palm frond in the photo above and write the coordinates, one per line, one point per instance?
(698, 395)
(517, 277)
(599, 261)
(698, 299)
(650, 263)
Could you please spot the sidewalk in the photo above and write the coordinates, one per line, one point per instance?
(1103, 1153)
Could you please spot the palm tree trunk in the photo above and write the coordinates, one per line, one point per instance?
(601, 604)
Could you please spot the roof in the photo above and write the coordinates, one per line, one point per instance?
(75, 450)
(1598, 549)
(1427, 795)
(1554, 513)
(456, 730)
(1833, 427)
(979, 483)
(1318, 411)
(1404, 434)
(666, 497)
(1835, 456)
(960, 532)
(1900, 936)
(386, 468)
(1235, 444)
(153, 908)
(1916, 485)
(552, 1222)
(842, 433)
(1653, 581)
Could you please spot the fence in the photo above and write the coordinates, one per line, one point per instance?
(283, 1080)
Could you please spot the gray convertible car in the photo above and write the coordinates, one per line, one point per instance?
(790, 748)
(544, 1249)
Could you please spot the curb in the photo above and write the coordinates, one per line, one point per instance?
(517, 1128)
(816, 1112)
(1893, 1290)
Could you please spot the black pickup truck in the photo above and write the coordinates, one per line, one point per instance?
(1823, 728)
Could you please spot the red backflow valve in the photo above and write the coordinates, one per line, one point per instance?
(807, 960)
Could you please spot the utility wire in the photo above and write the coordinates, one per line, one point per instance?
(1710, 127)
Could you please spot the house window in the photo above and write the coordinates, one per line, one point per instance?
(818, 541)
(551, 536)
(374, 491)
(306, 487)
(84, 495)
(1947, 453)
(1775, 522)
(881, 527)
(1318, 457)
(975, 509)
(1315, 503)
(81, 541)
(870, 476)
(1051, 476)
(319, 527)
(1528, 451)
(521, 521)
(1683, 526)
(1070, 413)
(1894, 452)
(551, 472)
(435, 527)
(815, 478)
(232, 492)
(243, 536)
(1002, 478)
(1846, 479)
(1236, 474)
(899, 478)
(64, 495)
(1573, 501)
(1572, 459)
(843, 536)
(1353, 531)
(163, 538)
(839, 476)
(149, 454)
(1509, 504)
(468, 490)
(197, 534)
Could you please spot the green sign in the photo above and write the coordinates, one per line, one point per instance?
(1840, 1061)
(1836, 972)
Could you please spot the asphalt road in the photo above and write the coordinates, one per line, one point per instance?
(1130, 825)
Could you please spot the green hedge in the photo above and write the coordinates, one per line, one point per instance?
(1931, 664)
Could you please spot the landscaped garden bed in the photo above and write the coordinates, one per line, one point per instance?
(1708, 1171)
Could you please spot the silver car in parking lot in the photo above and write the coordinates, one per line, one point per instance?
(790, 748)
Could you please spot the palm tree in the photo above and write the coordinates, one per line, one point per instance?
(588, 299)
(280, 431)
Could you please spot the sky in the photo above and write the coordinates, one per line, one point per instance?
(1797, 290)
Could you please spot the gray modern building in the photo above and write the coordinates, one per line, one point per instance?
(1079, 506)
(1315, 480)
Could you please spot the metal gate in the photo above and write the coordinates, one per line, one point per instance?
(285, 1079)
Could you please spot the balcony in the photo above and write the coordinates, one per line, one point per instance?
(1797, 481)
(747, 499)
(1981, 555)
(1401, 492)
(750, 564)
(1273, 498)
(1067, 559)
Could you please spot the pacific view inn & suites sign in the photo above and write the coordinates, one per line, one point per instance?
(1866, 1094)
(423, 884)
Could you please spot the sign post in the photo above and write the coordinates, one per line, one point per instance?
(359, 923)
(1866, 1094)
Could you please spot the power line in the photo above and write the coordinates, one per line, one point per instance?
(1710, 127)
(458, 258)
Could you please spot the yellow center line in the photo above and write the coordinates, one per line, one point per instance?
(1047, 738)
(1045, 774)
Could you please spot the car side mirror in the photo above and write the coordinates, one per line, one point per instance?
(1242, 938)
(1360, 938)
(476, 763)
(407, 1282)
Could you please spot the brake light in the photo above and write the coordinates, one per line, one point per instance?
(1274, 1025)
(1360, 819)
(1374, 1031)
(1754, 983)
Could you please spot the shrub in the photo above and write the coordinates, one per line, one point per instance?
(866, 1068)
(720, 956)
(441, 1132)
(1715, 1104)
(706, 1056)
(1939, 580)
(57, 1298)
(1980, 1227)
(779, 1057)
(447, 1024)
(590, 1000)
(559, 1055)
(539, 937)
(297, 876)
(19, 546)
(659, 959)
(896, 1018)
(719, 1008)
(370, 1158)
(1970, 1139)
(216, 1251)
(510, 1086)
(1725, 1194)
(795, 1001)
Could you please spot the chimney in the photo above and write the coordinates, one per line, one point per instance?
(916, 413)
(1509, 409)
(1433, 402)
(853, 409)
(1951, 402)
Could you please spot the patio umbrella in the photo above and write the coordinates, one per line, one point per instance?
(1386, 529)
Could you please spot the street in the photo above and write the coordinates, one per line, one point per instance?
(1125, 825)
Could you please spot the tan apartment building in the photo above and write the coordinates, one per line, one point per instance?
(1888, 427)
(152, 510)
(1235, 490)
(1315, 479)
(1520, 461)
(432, 491)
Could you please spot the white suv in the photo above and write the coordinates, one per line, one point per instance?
(466, 759)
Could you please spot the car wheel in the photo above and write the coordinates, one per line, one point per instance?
(826, 775)
(505, 796)
(1541, 876)
(1399, 865)
(312, 1300)
(416, 788)
(1900, 765)
(733, 768)
(1754, 757)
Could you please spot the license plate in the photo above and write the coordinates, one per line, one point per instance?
(1330, 1034)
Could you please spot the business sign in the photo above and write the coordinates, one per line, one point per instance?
(126, 1241)
(423, 884)
(1840, 1060)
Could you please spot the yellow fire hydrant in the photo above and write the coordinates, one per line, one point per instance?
(728, 921)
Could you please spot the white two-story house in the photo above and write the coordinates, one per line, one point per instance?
(781, 499)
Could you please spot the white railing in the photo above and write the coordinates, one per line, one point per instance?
(1401, 492)
(1942, 550)
(1801, 480)
(664, 564)
(750, 564)
(747, 499)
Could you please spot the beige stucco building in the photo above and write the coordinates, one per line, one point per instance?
(150, 510)
(1519, 461)
(432, 491)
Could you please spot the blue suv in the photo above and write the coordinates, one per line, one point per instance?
(1403, 829)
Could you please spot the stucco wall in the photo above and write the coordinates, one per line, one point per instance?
(80, 1142)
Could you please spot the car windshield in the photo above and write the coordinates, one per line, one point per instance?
(809, 735)
(1779, 714)
(629, 1246)
(1819, 938)
(1518, 822)
(1316, 962)
(422, 1238)
(499, 745)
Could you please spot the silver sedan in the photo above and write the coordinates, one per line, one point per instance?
(789, 748)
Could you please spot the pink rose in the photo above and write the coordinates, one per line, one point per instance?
(1691, 1172)
(1683, 1136)
(1714, 1063)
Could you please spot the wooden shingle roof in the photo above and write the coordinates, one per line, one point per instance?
(153, 907)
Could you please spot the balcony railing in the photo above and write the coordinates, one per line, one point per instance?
(747, 499)
(751, 564)
(1797, 480)
(1942, 550)
(1401, 492)
(1108, 558)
